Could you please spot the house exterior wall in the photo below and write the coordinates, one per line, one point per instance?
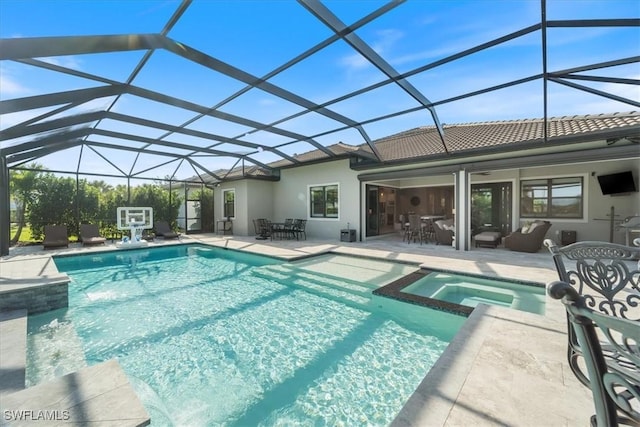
(259, 202)
(291, 197)
(241, 218)
(596, 223)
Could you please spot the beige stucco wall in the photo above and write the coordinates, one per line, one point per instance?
(259, 202)
(241, 219)
(596, 222)
(291, 197)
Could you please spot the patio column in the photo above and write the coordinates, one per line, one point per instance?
(463, 210)
(5, 209)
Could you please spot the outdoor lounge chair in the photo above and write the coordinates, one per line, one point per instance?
(55, 236)
(614, 382)
(606, 275)
(162, 229)
(528, 238)
(89, 235)
(444, 230)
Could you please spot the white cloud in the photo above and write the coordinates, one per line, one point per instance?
(384, 42)
(10, 87)
(72, 62)
(354, 61)
(267, 102)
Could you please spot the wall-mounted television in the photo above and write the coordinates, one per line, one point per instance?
(616, 183)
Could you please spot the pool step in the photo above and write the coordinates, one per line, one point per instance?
(346, 292)
(346, 285)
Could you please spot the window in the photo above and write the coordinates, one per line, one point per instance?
(324, 201)
(552, 198)
(229, 203)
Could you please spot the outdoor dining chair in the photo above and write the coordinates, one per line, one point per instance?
(416, 229)
(299, 228)
(614, 383)
(607, 277)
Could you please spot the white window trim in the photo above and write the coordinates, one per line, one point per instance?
(585, 197)
(222, 193)
(308, 197)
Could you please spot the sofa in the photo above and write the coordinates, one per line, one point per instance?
(528, 238)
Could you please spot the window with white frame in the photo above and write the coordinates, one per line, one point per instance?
(552, 198)
(324, 201)
(229, 203)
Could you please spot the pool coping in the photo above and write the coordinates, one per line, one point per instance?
(394, 290)
(13, 348)
(98, 395)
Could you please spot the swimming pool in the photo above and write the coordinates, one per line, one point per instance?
(215, 337)
(472, 290)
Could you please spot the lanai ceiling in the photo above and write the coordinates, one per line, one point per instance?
(198, 88)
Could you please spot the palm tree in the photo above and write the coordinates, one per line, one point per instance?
(22, 190)
(102, 186)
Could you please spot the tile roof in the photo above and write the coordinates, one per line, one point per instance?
(339, 149)
(425, 141)
(422, 142)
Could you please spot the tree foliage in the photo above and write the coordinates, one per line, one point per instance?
(54, 204)
(22, 188)
(165, 206)
(43, 198)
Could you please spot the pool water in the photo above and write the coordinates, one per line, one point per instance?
(471, 291)
(215, 337)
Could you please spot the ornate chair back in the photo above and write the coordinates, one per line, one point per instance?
(607, 276)
(614, 383)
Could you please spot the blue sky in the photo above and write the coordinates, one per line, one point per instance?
(258, 36)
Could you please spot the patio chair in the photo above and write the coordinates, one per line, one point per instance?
(282, 230)
(90, 235)
(404, 225)
(607, 276)
(528, 238)
(299, 227)
(416, 229)
(444, 230)
(614, 383)
(262, 228)
(163, 230)
(55, 236)
(287, 231)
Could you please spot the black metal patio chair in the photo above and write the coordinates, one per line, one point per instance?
(299, 228)
(607, 276)
(262, 228)
(614, 383)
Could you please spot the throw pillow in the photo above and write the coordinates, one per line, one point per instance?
(533, 226)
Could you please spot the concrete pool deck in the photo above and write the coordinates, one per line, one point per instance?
(504, 367)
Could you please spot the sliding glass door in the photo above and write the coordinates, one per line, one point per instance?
(491, 207)
(373, 225)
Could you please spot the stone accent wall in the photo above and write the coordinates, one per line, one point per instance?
(36, 299)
